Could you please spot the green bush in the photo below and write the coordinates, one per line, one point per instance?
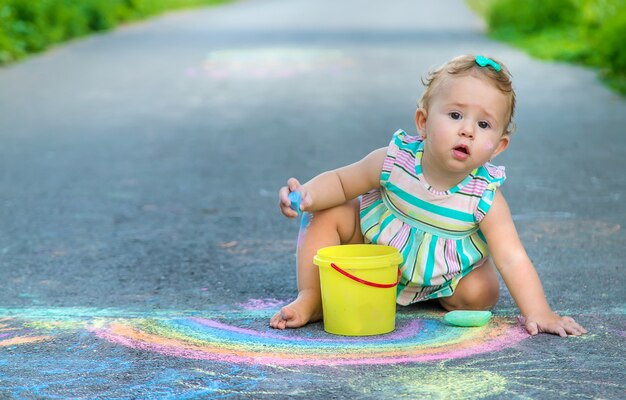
(590, 32)
(603, 25)
(66, 23)
(594, 13)
(28, 26)
(530, 16)
(609, 44)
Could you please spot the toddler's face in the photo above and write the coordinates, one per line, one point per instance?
(464, 125)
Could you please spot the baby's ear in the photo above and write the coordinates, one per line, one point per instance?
(420, 121)
(502, 145)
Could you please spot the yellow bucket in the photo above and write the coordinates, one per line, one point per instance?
(358, 283)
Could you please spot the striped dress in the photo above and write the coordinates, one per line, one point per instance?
(436, 232)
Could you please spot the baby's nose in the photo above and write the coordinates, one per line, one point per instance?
(467, 130)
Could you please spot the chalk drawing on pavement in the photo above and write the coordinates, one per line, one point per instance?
(48, 352)
(11, 335)
(271, 62)
(242, 336)
(237, 341)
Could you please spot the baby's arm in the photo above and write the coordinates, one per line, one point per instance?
(335, 187)
(519, 274)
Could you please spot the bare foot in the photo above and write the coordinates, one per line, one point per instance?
(304, 309)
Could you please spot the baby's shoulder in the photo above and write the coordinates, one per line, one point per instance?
(405, 142)
(493, 175)
(400, 136)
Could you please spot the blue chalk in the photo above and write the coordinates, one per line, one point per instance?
(295, 198)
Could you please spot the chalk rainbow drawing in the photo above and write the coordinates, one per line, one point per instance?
(243, 337)
(417, 339)
(12, 336)
(230, 351)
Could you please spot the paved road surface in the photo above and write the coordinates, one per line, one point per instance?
(142, 251)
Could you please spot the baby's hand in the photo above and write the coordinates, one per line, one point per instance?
(285, 204)
(553, 323)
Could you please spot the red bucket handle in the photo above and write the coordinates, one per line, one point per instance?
(363, 281)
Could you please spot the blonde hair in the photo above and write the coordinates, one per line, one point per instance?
(466, 65)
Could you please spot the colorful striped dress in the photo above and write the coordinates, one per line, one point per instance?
(436, 232)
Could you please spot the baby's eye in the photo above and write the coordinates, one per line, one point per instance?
(455, 115)
(484, 125)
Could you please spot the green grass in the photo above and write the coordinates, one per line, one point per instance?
(551, 44)
(585, 32)
(32, 26)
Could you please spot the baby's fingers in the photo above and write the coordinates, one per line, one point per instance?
(532, 328)
(560, 331)
(293, 184)
(572, 327)
(283, 196)
(562, 327)
(574, 324)
(284, 203)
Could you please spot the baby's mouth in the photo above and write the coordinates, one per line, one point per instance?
(461, 152)
(462, 149)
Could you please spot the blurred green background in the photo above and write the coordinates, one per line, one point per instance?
(587, 32)
(30, 26)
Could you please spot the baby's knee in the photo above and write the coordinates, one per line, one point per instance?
(480, 295)
(344, 219)
(487, 296)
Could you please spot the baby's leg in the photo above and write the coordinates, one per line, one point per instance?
(478, 290)
(334, 226)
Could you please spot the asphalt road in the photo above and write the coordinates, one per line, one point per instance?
(141, 247)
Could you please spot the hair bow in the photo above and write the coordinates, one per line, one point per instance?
(485, 61)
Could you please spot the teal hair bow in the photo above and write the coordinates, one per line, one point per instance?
(485, 61)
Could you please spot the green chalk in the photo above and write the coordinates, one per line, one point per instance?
(467, 318)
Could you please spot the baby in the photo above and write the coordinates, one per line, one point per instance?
(435, 199)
